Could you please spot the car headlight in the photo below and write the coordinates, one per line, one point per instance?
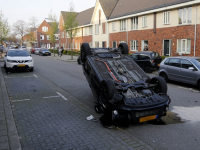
(30, 60)
(9, 60)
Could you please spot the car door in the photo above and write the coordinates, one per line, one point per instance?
(135, 57)
(187, 75)
(172, 69)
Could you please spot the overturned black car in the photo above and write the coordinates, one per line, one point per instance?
(124, 92)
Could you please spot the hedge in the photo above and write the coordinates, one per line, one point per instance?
(65, 52)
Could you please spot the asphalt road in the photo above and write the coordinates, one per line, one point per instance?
(180, 129)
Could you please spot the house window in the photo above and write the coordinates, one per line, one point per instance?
(114, 44)
(123, 25)
(45, 29)
(76, 46)
(90, 44)
(56, 38)
(72, 45)
(185, 15)
(113, 26)
(96, 44)
(144, 21)
(48, 37)
(103, 44)
(166, 17)
(85, 30)
(134, 23)
(144, 45)
(184, 46)
(41, 37)
(96, 29)
(90, 30)
(63, 34)
(134, 45)
(69, 45)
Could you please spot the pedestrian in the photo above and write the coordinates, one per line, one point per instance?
(62, 49)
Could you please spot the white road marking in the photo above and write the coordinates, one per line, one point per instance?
(62, 96)
(20, 100)
(35, 76)
(51, 96)
(27, 76)
(9, 77)
(190, 89)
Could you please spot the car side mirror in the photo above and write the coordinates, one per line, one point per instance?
(30, 55)
(191, 68)
(5, 55)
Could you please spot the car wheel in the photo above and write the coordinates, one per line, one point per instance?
(198, 84)
(85, 50)
(31, 70)
(148, 69)
(107, 89)
(164, 75)
(124, 48)
(161, 86)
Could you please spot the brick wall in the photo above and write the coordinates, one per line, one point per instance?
(155, 40)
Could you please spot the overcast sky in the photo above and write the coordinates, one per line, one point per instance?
(15, 10)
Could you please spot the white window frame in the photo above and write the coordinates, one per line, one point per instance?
(41, 37)
(63, 34)
(122, 42)
(96, 28)
(166, 17)
(184, 49)
(90, 44)
(85, 30)
(113, 26)
(123, 25)
(90, 30)
(48, 37)
(97, 43)
(134, 23)
(184, 16)
(56, 38)
(134, 45)
(144, 21)
(45, 29)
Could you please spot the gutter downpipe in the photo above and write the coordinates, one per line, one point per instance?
(195, 30)
(127, 32)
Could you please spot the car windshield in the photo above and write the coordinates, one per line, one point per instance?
(18, 53)
(44, 50)
(196, 62)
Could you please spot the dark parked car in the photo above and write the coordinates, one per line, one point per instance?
(79, 60)
(1, 48)
(182, 69)
(44, 52)
(147, 60)
(124, 92)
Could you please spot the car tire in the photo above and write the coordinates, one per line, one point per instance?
(124, 48)
(85, 50)
(148, 69)
(198, 84)
(31, 70)
(107, 89)
(6, 69)
(164, 75)
(161, 86)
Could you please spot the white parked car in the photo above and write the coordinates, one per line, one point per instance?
(18, 60)
(23, 47)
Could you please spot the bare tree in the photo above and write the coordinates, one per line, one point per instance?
(4, 27)
(32, 22)
(20, 28)
(54, 28)
(71, 24)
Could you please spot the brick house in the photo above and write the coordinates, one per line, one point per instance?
(43, 37)
(30, 39)
(171, 27)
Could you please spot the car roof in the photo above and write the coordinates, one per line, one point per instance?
(185, 57)
(144, 52)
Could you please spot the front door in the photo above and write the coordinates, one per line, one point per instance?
(166, 48)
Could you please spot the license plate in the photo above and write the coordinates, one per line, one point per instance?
(148, 118)
(47, 53)
(21, 65)
(158, 64)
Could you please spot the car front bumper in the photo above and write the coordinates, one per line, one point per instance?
(19, 66)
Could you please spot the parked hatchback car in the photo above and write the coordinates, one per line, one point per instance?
(18, 60)
(44, 52)
(147, 60)
(182, 69)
